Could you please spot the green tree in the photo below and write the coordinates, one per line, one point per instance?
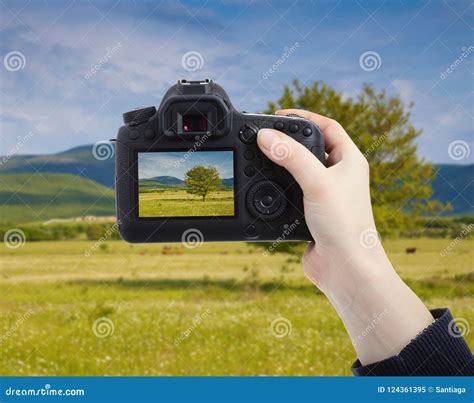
(95, 231)
(201, 180)
(380, 126)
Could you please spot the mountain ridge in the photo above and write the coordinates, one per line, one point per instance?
(453, 182)
(172, 181)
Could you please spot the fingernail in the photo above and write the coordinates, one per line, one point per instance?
(267, 138)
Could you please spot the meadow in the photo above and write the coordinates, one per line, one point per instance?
(26, 197)
(174, 202)
(218, 309)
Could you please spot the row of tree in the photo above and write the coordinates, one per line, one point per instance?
(434, 228)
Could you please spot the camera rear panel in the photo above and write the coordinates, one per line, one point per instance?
(163, 181)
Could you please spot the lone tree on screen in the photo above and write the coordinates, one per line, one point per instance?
(200, 180)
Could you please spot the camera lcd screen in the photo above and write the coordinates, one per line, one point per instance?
(186, 184)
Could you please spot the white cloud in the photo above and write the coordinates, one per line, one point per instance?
(457, 119)
(404, 88)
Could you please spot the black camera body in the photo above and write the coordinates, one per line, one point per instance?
(191, 171)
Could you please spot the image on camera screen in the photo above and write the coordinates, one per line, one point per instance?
(186, 184)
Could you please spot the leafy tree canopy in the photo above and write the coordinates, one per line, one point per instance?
(201, 180)
(380, 126)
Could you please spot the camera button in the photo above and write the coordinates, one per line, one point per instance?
(250, 230)
(149, 134)
(249, 154)
(294, 128)
(307, 131)
(134, 134)
(266, 201)
(248, 134)
(279, 125)
(249, 170)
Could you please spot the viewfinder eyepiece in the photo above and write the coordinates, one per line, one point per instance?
(192, 122)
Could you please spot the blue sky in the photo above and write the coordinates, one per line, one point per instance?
(178, 163)
(82, 63)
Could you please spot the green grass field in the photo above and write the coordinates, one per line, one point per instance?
(30, 197)
(178, 203)
(205, 311)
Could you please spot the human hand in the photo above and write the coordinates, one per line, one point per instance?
(347, 261)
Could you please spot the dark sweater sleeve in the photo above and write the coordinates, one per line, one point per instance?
(439, 350)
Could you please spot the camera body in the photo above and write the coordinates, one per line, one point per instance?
(191, 171)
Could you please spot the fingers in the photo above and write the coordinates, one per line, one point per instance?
(335, 136)
(288, 153)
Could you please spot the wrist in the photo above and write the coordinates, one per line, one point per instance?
(344, 273)
(380, 312)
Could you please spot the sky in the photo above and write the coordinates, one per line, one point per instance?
(176, 164)
(71, 68)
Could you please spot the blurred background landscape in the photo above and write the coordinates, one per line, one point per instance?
(76, 300)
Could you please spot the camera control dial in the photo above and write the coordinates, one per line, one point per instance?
(266, 200)
(139, 115)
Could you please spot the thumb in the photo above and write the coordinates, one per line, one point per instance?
(295, 157)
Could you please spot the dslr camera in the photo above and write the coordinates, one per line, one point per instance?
(191, 171)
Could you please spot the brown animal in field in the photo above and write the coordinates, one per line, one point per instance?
(410, 250)
(167, 250)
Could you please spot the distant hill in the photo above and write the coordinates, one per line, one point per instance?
(454, 183)
(172, 182)
(76, 161)
(229, 182)
(161, 182)
(37, 197)
(168, 180)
